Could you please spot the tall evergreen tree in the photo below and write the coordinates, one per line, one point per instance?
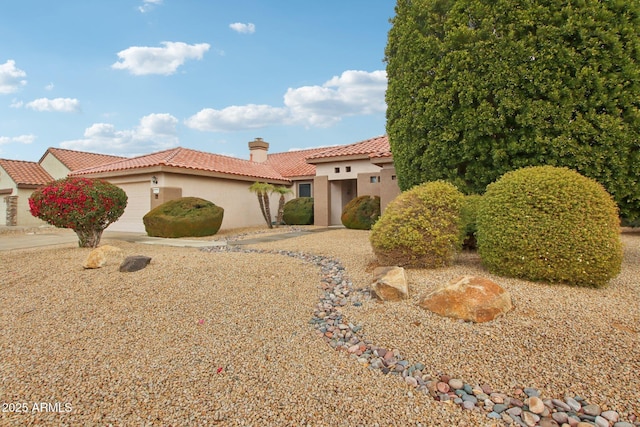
(481, 87)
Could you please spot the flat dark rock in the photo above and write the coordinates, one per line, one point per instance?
(134, 263)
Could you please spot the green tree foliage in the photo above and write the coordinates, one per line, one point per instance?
(478, 88)
(549, 224)
(87, 206)
(262, 190)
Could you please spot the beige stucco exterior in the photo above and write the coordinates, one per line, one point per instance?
(14, 203)
(54, 167)
(338, 182)
(241, 208)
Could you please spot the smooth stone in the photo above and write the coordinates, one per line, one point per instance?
(573, 403)
(561, 405)
(515, 411)
(584, 424)
(610, 415)
(531, 392)
(486, 389)
(499, 407)
(460, 393)
(496, 397)
(592, 410)
(457, 401)
(601, 421)
(560, 417)
(548, 422)
(456, 384)
(529, 418)
(482, 397)
(585, 417)
(535, 404)
(623, 424)
(468, 405)
(411, 381)
(443, 387)
(516, 402)
(470, 398)
(494, 415)
(467, 389)
(573, 420)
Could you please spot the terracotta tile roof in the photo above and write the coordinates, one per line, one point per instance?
(25, 173)
(75, 160)
(292, 163)
(186, 158)
(364, 148)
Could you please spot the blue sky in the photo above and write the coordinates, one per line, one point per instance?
(130, 77)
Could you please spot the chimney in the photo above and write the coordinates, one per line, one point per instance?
(258, 150)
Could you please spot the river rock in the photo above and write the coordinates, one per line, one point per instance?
(98, 257)
(134, 263)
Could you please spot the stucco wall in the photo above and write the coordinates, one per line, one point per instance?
(55, 168)
(25, 218)
(356, 166)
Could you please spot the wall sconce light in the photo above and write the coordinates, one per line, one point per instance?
(154, 180)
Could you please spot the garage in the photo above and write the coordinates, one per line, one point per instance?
(138, 204)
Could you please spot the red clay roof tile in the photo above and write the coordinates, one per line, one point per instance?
(75, 160)
(190, 159)
(364, 148)
(292, 163)
(26, 173)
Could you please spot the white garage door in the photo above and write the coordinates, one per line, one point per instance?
(138, 204)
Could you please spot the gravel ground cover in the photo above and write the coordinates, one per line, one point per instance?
(202, 338)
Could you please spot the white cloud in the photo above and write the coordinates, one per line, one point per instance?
(237, 118)
(155, 132)
(241, 28)
(11, 78)
(147, 5)
(64, 105)
(22, 139)
(350, 94)
(49, 87)
(141, 60)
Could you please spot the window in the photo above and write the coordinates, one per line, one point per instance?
(304, 190)
(336, 170)
(374, 179)
(348, 168)
(393, 177)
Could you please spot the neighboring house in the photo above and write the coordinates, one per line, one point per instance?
(349, 171)
(333, 176)
(18, 179)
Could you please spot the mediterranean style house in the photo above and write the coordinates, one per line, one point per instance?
(333, 176)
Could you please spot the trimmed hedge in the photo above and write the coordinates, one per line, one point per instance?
(550, 224)
(361, 213)
(420, 228)
(184, 217)
(298, 211)
(468, 215)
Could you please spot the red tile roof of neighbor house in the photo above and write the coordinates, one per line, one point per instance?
(25, 173)
(292, 163)
(367, 148)
(186, 158)
(75, 160)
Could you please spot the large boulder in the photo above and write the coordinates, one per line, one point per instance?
(474, 299)
(390, 283)
(98, 257)
(298, 211)
(134, 263)
(184, 217)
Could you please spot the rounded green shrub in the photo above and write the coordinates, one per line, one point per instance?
(184, 217)
(298, 211)
(420, 228)
(361, 213)
(468, 215)
(550, 224)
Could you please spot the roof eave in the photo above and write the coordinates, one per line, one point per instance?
(364, 156)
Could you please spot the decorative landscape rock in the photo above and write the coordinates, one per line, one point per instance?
(469, 298)
(134, 263)
(184, 217)
(98, 257)
(390, 283)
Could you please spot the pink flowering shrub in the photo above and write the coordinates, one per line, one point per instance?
(87, 206)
